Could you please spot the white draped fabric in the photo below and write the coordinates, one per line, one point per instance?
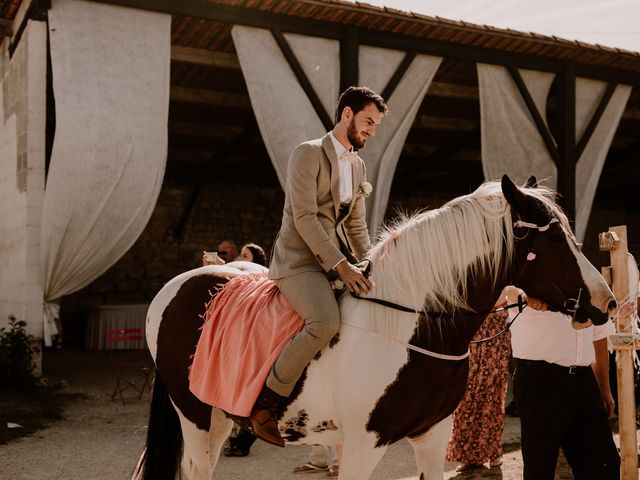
(590, 163)
(510, 140)
(284, 114)
(286, 117)
(512, 144)
(111, 86)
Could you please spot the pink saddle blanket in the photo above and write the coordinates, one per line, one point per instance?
(247, 324)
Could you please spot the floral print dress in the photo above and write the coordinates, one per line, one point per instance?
(478, 421)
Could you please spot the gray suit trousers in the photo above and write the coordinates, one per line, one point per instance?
(310, 294)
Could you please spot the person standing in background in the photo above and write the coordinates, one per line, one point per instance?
(478, 422)
(561, 386)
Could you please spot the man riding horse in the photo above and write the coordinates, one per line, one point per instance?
(323, 231)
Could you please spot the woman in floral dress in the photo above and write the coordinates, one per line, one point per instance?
(478, 421)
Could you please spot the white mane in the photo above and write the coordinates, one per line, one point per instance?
(430, 261)
(426, 261)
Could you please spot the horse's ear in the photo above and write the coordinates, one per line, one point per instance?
(532, 182)
(512, 193)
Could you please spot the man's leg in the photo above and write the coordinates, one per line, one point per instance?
(589, 446)
(311, 296)
(541, 400)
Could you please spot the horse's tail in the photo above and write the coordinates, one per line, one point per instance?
(161, 458)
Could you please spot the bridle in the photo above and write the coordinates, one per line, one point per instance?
(570, 305)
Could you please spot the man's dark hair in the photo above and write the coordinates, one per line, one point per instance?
(357, 98)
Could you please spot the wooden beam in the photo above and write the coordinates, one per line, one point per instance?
(443, 123)
(322, 28)
(548, 139)
(397, 75)
(208, 58)
(303, 80)
(6, 28)
(444, 154)
(422, 152)
(624, 358)
(193, 129)
(631, 113)
(595, 119)
(567, 139)
(209, 97)
(28, 10)
(450, 90)
(349, 59)
(418, 150)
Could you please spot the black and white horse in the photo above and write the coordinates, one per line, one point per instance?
(390, 373)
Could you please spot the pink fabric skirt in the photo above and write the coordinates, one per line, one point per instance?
(247, 325)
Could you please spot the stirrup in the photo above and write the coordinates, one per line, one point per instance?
(243, 422)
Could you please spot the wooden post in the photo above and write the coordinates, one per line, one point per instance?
(615, 241)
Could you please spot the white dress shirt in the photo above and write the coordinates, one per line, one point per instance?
(346, 175)
(549, 336)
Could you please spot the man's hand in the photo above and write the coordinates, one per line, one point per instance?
(352, 278)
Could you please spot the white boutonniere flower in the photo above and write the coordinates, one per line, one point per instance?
(365, 189)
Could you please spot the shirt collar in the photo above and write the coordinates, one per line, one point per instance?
(339, 148)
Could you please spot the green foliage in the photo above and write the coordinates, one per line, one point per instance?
(16, 356)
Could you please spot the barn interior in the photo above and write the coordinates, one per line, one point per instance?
(220, 182)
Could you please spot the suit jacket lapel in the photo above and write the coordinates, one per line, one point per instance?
(330, 151)
(355, 184)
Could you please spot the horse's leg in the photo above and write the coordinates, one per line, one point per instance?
(221, 427)
(196, 463)
(359, 456)
(430, 449)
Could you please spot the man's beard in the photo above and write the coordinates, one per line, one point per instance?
(352, 136)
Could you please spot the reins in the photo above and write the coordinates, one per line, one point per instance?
(442, 356)
(387, 303)
(520, 305)
(409, 346)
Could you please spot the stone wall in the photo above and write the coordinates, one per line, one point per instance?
(243, 213)
(22, 160)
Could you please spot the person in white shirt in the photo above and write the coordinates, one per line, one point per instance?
(561, 387)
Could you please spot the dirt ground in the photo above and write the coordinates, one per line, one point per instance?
(94, 438)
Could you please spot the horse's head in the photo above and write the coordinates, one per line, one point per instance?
(548, 262)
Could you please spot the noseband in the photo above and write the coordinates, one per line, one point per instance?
(570, 305)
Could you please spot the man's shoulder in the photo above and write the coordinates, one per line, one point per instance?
(311, 144)
(309, 148)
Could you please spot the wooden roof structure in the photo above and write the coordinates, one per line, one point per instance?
(212, 129)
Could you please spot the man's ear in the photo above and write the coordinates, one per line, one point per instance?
(512, 193)
(532, 182)
(347, 113)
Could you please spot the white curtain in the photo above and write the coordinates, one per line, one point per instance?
(377, 65)
(510, 140)
(512, 144)
(588, 95)
(286, 117)
(111, 87)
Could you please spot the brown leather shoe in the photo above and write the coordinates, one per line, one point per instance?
(265, 426)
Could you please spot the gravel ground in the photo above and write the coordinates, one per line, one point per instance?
(102, 440)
